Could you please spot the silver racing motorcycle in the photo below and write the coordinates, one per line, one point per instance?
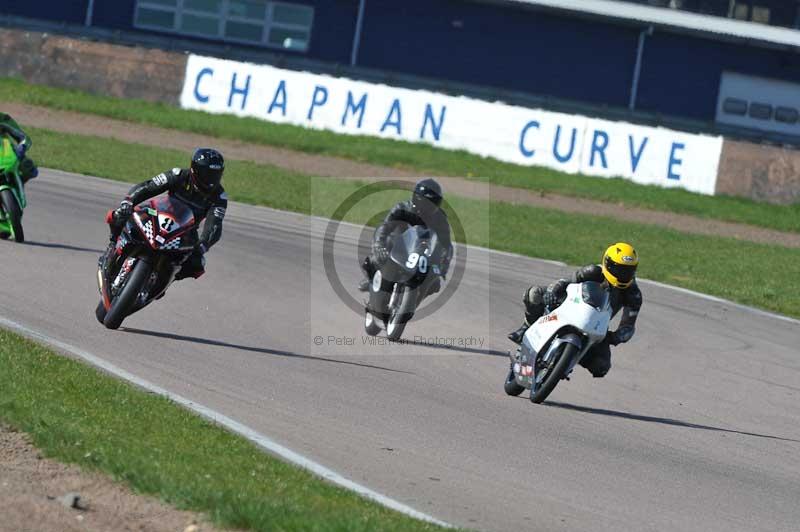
(398, 287)
(557, 341)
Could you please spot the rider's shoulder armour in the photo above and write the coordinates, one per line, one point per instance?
(590, 272)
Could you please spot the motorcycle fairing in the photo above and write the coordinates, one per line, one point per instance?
(165, 221)
(164, 224)
(573, 311)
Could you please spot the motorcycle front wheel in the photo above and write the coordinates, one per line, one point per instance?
(558, 369)
(401, 315)
(13, 214)
(123, 302)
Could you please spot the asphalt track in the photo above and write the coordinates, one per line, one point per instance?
(697, 426)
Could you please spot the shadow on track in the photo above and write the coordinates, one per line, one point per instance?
(459, 349)
(661, 420)
(261, 350)
(62, 246)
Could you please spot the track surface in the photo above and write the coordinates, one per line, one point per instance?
(697, 426)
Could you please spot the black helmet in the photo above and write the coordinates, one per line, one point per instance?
(427, 193)
(207, 168)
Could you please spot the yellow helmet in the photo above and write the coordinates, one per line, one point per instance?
(619, 264)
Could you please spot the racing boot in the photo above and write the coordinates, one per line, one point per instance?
(517, 335)
(369, 270)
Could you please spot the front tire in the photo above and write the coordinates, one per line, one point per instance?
(555, 374)
(13, 214)
(401, 315)
(122, 303)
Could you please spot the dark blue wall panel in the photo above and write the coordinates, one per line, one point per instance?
(585, 60)
(508, 48)
(681, 74)
(115, 14)
(70, 11)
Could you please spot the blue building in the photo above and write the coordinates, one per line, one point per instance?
(624, 59)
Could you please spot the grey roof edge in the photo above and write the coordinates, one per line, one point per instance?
(660, 16)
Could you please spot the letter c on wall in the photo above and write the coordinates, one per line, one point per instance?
(533, 124)
(200, 75)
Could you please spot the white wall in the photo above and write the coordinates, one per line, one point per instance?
(515, 134)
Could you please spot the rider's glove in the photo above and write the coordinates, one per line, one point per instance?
(124, 210)
(380, 252)
(620, 336)
(21, 149)
(550, 299)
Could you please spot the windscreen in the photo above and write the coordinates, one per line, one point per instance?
(414, 236)
(594, 294)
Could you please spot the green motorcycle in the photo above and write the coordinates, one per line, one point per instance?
(12, 194)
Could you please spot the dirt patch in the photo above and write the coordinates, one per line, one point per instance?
(767, 173)
(317, 165)
(95, 67)
(31, 488)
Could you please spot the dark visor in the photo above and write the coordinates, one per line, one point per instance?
(623, 272)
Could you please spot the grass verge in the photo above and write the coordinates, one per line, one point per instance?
(420, 157)
(745, 272)
(78, 415)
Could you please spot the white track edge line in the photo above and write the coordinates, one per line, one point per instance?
(234, 426)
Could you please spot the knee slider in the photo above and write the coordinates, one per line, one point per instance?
(600, 368)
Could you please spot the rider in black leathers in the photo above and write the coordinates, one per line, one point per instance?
(424, 208)
(199, 187)
(618, 272)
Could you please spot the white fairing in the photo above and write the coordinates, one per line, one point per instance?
(572, 312)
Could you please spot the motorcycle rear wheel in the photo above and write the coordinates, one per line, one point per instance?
(511, 387)
(100, 312)
(122, 303)
(371, 326)
(13, 214)
(559, 370)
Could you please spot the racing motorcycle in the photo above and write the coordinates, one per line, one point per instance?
(557, 341)
(156, 240)
(12, 194)
(403, 281)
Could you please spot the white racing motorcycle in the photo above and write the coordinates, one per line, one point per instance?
(557, 341)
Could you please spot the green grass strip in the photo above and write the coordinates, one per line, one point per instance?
(78, 415)
(419, 157)
(746, 272)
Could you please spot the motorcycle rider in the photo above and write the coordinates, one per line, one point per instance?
(199, 187)
(9, 126)
(617, 270)
(424, 209)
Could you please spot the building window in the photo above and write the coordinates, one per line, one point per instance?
(787, 115)
(760, 111)
(746, 10)
(262, 22)
(735, 106)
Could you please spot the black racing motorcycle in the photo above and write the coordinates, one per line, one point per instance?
(400, 284)
(155, 242)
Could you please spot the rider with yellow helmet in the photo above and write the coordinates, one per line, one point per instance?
(618, 270)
